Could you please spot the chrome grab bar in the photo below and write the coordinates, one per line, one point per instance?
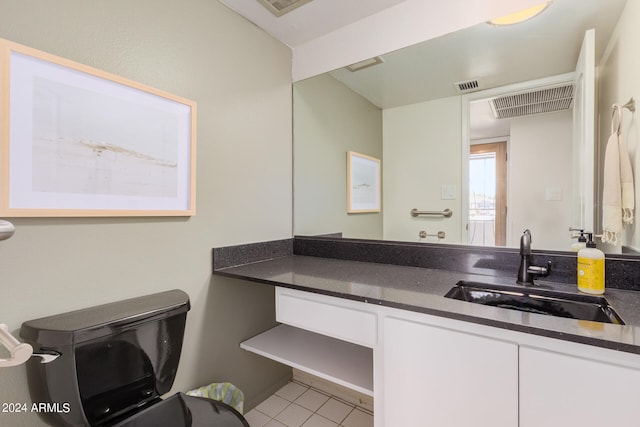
(445, 213)
(440, 234)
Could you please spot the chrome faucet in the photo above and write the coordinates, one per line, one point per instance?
(527, 272)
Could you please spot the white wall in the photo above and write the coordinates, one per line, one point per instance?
(405, 24)
(241, 80)
(619, 80)
(330, 120)
(533, 172)
(422, 152)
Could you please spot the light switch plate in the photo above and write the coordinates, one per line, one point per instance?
(553, 194)
(449, 192)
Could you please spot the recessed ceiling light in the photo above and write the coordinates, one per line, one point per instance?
(520, 16)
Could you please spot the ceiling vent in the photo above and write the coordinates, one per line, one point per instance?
(365, 64)
(538, 101)
(280, 7)
(467, 86)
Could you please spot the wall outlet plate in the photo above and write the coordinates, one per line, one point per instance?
(553, 194)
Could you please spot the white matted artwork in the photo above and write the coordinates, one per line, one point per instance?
(363, 183)
(77, 141)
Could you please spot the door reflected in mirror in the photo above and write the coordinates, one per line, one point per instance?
(488, 194)
(536, 121)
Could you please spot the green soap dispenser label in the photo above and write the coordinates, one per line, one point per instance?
(591, 274)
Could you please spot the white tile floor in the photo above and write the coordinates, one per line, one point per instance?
(298, 405)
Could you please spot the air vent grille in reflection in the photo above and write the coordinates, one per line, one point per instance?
(280, 7)
(538, 101)
(467, 86)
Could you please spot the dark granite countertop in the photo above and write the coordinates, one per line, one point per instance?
(423, 289)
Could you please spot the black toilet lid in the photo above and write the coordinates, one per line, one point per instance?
(181, 410)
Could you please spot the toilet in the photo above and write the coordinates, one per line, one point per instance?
(109, 365)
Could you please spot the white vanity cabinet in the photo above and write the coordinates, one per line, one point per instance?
(442, 377)
(427, 370)
(559, 389)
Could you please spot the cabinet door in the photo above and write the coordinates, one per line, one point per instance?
(439, 377)
(562, 390)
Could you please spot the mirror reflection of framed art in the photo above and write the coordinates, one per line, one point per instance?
(363, 183)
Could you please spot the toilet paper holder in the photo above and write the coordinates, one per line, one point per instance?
(20, 351)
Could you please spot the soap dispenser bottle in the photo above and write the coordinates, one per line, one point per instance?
(591, 268)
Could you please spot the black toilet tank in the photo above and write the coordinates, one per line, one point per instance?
(115, 359)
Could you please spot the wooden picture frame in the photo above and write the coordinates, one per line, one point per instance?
(77, 141)
(363, 183)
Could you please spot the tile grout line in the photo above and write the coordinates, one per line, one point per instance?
(363, 409)
(351, 406)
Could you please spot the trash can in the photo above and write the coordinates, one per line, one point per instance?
(222, 392)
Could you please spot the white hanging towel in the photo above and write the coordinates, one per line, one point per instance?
(618, 198)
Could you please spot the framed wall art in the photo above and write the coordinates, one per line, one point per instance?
(363, 183)
(78, 141)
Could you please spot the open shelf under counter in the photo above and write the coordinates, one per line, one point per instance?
(340, 362)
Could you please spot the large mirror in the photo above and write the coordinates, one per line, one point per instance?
(428, 112)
